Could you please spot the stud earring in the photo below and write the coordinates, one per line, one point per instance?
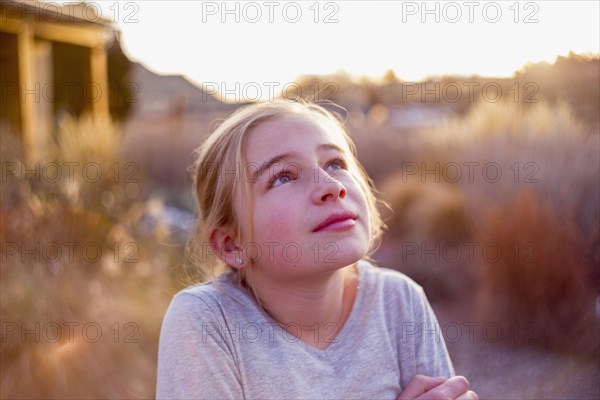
(239, 261)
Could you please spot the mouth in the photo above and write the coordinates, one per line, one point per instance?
(337, 222)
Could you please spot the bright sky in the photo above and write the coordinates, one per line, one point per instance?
(241, 43)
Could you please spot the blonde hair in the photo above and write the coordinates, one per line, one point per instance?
(217, 176)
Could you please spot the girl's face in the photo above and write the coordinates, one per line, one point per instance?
(309, 213)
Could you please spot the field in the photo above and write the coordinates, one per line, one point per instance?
(494, 210)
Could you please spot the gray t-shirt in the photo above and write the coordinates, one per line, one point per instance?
(219, 346)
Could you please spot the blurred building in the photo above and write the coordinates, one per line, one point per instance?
(417, 115)
(30, 33)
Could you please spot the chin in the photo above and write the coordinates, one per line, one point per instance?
(348, 252)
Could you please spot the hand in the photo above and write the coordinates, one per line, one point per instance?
(423, 387)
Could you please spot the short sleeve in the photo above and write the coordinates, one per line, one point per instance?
(195, 360)
(432, 356)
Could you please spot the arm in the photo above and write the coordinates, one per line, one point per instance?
(433, 360)
(423, 387)
(195, 359)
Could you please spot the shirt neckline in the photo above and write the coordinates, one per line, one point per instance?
(338, 340)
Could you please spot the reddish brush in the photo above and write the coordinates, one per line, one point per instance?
(537, 290)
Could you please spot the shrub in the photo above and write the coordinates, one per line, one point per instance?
(537, 287)
(508, 119)
(427, 219)
(54, 293)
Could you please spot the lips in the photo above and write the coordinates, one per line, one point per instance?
(337, 221)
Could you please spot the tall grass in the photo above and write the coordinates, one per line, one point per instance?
(538, 289)
(81, 324)
(542, 212)
(428, 228)
(509, 119)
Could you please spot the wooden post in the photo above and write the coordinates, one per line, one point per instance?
(28, 92)
(44, 108)
(99, 77)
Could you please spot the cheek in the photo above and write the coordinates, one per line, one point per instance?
(358, 196)
(242, 215)
(356, 191)
(274, 220)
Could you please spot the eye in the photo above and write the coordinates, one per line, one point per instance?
(336, 164)
(280, 178)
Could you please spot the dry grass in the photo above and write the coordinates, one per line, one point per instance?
(558, 213)
(508, 119)
(426, 209)
(57, 289)
(539, 284)
(547, 202)
(84, 139)
(427, 229)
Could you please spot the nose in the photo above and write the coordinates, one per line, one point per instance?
(327, 188)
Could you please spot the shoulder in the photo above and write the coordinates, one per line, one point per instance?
(203, 301)
(399, 295)
(389, 281)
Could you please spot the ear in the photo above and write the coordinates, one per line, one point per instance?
(223, 244)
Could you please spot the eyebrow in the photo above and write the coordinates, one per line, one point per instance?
(274, 160)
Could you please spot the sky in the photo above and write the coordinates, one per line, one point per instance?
(263, 46)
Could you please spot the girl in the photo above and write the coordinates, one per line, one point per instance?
(287, 218)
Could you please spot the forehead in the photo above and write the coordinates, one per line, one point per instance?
(292, 133)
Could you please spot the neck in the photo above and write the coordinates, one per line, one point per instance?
(309, 304)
